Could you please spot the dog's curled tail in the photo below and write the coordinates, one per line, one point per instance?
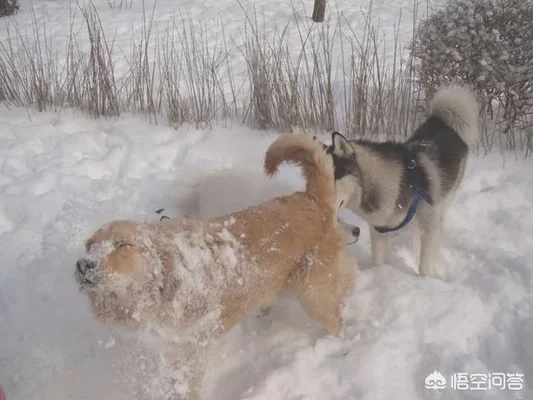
(458, 108)
(317, 166)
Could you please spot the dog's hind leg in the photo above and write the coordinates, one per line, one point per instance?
(322, 305)
(321, 292)
(379, 244)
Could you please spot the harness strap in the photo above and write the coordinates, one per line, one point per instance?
(420, 195)
(410, 164)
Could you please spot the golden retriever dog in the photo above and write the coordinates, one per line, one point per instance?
(202, 277)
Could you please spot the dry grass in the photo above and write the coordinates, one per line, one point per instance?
(120, 4)
(311, 90)
(334, 80)
(140, 93)
(101, 96)
(190, 69)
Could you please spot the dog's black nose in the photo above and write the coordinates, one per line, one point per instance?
(84, 266)
(356, 231)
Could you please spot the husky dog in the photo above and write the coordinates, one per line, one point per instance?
(390, 184)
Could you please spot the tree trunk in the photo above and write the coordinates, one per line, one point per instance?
(319, 10)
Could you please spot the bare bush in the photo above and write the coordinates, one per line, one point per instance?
(486, 44)
(188, 77)
(378, 98)
(288, 89)
(28, 71)
(140, 92)
(272, 83)
(312, 90)
(190, 69)
(98, 82)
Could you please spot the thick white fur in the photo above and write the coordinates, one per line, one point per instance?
(458, 108)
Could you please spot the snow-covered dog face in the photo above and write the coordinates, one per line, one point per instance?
(121, 272)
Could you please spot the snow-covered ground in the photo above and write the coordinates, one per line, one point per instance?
(63, 175)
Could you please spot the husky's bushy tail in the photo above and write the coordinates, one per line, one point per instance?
(316, 165)
(458, 108)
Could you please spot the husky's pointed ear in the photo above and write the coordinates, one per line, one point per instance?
(341, 145)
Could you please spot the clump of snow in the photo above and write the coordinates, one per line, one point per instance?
(206, 267)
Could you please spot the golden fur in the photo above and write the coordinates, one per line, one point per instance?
(207, 276)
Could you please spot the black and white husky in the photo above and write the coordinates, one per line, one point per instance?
(391, 185)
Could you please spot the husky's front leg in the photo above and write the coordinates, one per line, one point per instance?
(380, 245)
(429, 249)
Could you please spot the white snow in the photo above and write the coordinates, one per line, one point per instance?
(63, 175)
(400, 327)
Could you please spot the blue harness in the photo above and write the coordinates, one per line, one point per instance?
(420, 194)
